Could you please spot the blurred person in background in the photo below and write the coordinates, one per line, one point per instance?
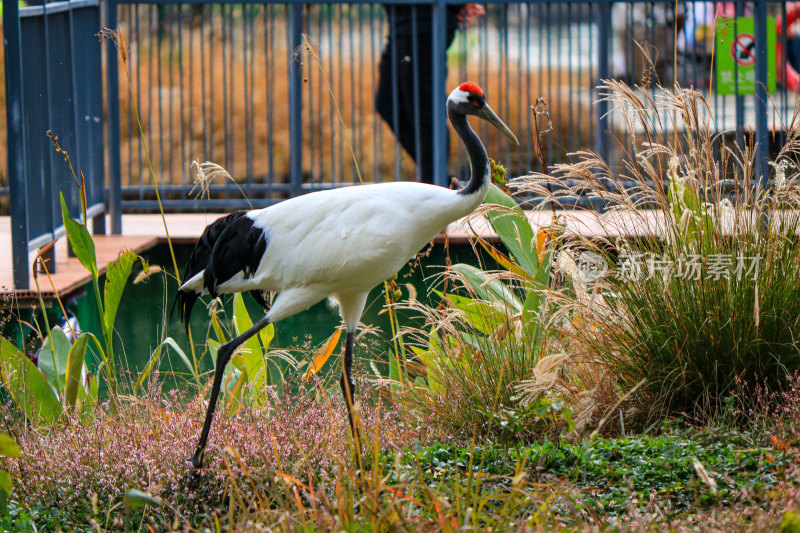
(399, 53)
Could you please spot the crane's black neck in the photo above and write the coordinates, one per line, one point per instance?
(478, 159)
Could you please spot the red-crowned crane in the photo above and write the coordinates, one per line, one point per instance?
(336, 243)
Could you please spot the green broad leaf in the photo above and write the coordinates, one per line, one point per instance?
(535, 294)
(545, 269)
(243, 322)
(252, 352)
(8, 447)
(492, 290)
(217, 330)
(513, 228)
(213, 348)
(87, 399)
(266, 335)
(148, 368)
(169, 341)
(135, 498)
(476, 342)
(430, 359)
(74, 370)
(81, 241)
(232, 375)
(27, 386)
(479, 314)
(237, 393)
(116, 279)
(256, 368)
(55, 371)
(530, 308)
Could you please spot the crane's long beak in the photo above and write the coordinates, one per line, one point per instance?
(487, 114)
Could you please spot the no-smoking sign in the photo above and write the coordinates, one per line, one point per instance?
(736, 55)
(743, 49)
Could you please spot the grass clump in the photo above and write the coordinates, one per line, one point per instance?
(705, 289)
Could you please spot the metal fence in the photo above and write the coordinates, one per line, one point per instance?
(226, 82)
(53, 83)
(237, 83)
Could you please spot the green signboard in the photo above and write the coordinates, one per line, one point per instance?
(736, 55)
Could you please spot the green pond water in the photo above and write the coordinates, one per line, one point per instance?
(145, 311)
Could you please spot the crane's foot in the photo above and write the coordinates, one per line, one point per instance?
(195, 461)
(193, 475)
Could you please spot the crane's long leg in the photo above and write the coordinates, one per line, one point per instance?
(224, 355)
(346, 381)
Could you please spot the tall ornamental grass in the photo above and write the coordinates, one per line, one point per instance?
(701, 265)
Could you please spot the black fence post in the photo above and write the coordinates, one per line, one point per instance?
(16, 146)
(439, 120)
(739, 98)
(760, 103)
(295, 101)
(112, 86)
(602, 133)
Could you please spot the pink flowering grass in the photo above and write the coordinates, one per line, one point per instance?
(84, 469)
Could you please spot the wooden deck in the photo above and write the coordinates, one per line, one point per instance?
(142, 232)
(69, 273)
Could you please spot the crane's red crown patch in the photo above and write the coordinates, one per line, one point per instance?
(471, 88)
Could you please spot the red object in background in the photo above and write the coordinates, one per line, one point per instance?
(787, 75)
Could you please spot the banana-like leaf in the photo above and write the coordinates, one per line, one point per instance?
(430, 359)
(213, 348)
(8, 447)
(266, 335)
(254, 364)
(236, 399)
(535, 294)
(55, 370)
(217, 329)
(492, 290)
(480, 315)
(27, 386)
(74, 370)
(81, 241)
(542, 277)
(501, 259)
(116, 279)
(322, 355)
(242, 323)
(513, 228)
(87, 396)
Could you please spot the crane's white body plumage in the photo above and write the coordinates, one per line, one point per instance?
(343, 242)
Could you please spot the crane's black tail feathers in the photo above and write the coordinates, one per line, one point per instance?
(228, 246)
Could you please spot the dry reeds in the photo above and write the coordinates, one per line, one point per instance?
(702, 285)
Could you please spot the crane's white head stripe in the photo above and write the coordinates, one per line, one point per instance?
(459, 97)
